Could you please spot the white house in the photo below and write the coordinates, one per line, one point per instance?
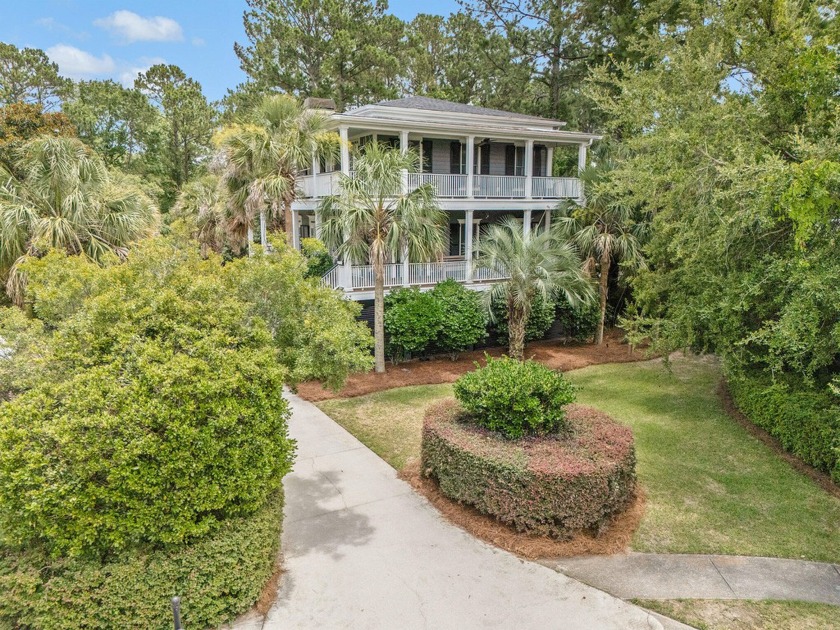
(483, 163)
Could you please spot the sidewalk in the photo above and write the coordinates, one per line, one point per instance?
(362, 550)
(678, 576)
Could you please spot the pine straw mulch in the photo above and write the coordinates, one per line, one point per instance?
(552, 353)
(615, 539)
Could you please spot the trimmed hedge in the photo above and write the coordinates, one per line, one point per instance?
(806, 422)
(515, 398)
(217, 578)
(552, 486)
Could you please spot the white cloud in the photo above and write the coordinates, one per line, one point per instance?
(131, 27)
(197, 41)
(128, 75)
(78, 64)
(54, 26)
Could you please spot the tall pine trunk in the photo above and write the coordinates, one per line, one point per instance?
(606, 259)
(379, 314)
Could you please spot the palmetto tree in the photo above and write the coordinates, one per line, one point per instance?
(374, 219)
(605, 230)
(541, 263)
(64, 197)
(203, 202)
(262, 156)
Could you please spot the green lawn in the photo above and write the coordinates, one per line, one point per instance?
(711, 487)
(717, 614)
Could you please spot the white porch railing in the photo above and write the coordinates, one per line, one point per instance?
(499, 186)
(360, 277)
(432, 273)
(444, 185)
(457, 186)
(555, 187)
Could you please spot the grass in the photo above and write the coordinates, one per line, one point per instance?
(711, 487)
(717, 614)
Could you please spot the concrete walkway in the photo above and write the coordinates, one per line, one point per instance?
(362, 550)
(675, 576)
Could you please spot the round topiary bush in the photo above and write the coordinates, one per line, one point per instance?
(515, 398)
(552, 485)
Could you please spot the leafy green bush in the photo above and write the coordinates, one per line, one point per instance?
(160, 417)
(578, 323)
(463, 317)
(515, 398)
(806, 422)
(318, 259)
(552, 486)
(217, 578)
(539, 321)
(314, 329)
(413, 320)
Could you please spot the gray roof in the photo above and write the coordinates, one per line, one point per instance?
(438, 105)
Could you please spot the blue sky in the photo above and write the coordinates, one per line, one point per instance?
(105, 39)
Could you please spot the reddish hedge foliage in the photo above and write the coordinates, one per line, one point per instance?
(546, 485)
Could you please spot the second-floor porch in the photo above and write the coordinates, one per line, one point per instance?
(461, 186)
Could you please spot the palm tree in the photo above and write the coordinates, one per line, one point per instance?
(262, 156)
(541, 263)
(203, 204)
(64, 197)
(605, 230)
(375, 219)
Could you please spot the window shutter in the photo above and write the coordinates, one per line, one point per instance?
(426, 167)
(510, 159)
(538, 161)
(485, 159)
(454, 158)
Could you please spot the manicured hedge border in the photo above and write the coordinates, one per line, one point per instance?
(216, 577)
(548, 485)
(806, 423)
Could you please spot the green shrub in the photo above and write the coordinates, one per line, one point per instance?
(805, 421)
(217, 578)
(463, 317)
(515, 398)
(552, 486)
(413, 320)
(162, 414)
(578, 322)
(541, 318)
(318, 259)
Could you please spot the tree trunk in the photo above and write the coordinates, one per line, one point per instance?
(379, 315)
(250, 240)
(263, 235)
(517, 317)
(605, 276)
(287, 223)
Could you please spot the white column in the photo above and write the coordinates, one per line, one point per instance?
(345, 150)
(263, 234)
(317, 226)
(403, 141)
(468, 243)
(547, 220)
(582, 156)
(549, 162)
(529, 167)
(470, 166)
(526, 224)
(316, 191)
(296, 229)
(405, 266)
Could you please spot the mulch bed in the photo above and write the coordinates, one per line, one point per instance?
(822, 479)
(552, 353)
(615, 539)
